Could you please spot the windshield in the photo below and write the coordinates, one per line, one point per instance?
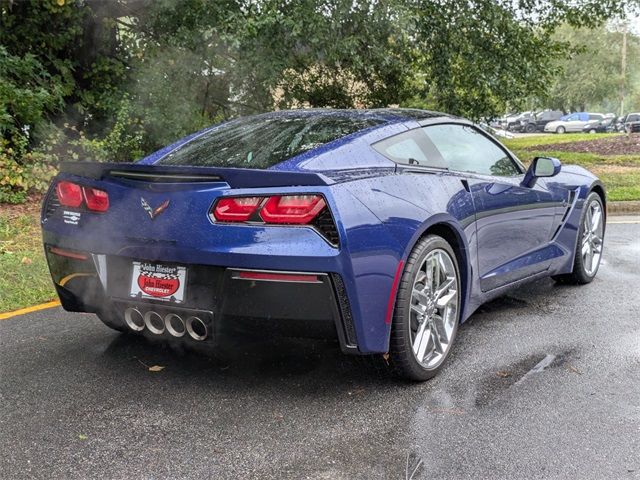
(264, 141)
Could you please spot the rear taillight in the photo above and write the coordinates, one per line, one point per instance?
(277, 209)
(69, 194)
(73, 195)
(236, 209)
(97, 200)
(292, 209)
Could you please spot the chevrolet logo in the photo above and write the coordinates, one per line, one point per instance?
(153, 213)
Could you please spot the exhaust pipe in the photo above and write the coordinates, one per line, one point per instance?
(175, 325)
(197, 328)
(134, 319)
(154, 322)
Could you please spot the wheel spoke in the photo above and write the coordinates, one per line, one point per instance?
(595, 220)
(587, 220)
(439, 326)
(585, 247)
(437, 342)
(435, 281)
(446, 299)
(444, 288)
(421, 341)
(419, 309)
(589, 259)
(420, 296)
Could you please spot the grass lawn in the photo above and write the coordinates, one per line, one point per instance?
(24, 278)
(619, 173)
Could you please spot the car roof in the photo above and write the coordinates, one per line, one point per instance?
(385, 115)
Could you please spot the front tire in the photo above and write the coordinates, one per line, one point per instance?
(590, 243)
(427, 311)
(561, 130)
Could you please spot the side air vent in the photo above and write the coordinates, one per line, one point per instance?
(327, 227)
(52, 204)
(345, 310)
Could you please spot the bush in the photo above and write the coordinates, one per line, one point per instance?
(31, 175)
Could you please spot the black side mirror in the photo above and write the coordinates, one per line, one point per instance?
(541, 167)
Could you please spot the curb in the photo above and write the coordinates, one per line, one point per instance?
(631, 207)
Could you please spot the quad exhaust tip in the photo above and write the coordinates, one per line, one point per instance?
(197, 328)
(134, 319)
(175, 325)
(172, 323)
(154, 322)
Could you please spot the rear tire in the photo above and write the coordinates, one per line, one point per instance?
(427, 311)
(590, 243)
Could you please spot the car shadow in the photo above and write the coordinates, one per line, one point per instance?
(247, 361)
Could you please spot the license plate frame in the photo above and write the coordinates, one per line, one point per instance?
(158, 281)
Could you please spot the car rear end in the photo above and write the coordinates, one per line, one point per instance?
(186, 252)
(223, 228)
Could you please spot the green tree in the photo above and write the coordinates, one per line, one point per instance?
(591, 75)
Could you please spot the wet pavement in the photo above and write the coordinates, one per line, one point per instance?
(543, 383)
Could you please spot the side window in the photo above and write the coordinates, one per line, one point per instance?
(411, 148)
(573, 117)
(465, 149)
(595, 117)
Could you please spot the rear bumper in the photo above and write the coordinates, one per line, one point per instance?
(304, 304)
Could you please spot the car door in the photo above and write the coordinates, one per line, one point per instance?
(576, 122)
(514, 224)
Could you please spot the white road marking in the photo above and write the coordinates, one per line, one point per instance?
(540, 366)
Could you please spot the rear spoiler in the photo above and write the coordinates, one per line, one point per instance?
(235, 177)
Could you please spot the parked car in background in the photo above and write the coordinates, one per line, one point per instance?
(508, 120)
(574, 122)
(632, 123)
(618, 125)
(606, 125)
(515, 124)
(538, 121)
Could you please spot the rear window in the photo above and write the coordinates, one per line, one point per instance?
(264, 141)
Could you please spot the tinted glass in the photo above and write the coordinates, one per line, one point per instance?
(595, 116)
(411, 148)
(264, 141)
(465, 149)
(633, 118)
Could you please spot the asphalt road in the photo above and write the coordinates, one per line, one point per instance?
(78, 401)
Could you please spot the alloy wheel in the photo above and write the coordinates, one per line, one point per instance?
(434, 308)
(593, 233)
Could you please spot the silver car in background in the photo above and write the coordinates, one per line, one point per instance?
(573, 122)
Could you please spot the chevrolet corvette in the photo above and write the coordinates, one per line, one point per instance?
(384, 229)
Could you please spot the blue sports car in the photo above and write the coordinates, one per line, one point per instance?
(384, 228)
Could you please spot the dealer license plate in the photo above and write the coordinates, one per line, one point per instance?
(158, 282)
